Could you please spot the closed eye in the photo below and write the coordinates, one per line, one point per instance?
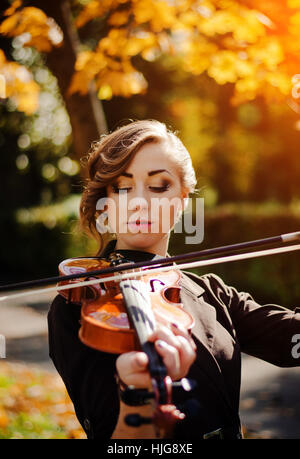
(159, 189)
(155, 189)
(117, 190)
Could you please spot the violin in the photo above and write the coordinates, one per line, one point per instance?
(118, 317)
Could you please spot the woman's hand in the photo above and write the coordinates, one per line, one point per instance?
(176, 348)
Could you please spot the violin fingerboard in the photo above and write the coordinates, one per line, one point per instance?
(139, 309)
(140, 314)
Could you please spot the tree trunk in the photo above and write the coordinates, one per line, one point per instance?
(85, 111)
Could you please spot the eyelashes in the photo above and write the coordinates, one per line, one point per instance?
(159, 189)
(118, 190)
(155, 189)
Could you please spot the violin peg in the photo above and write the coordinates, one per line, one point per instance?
(136, 420)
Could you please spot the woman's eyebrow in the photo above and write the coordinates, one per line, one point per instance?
(158, 171)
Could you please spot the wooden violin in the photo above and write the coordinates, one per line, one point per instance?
(118, 317)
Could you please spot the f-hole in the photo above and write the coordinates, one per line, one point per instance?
(152, 284)
(172, 294)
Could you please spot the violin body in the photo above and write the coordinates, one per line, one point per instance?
(104, 321)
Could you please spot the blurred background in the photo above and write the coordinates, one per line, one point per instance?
(224, 75)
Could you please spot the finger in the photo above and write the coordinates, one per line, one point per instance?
(139, 362)
(170, 356)
(165, 334)
(179, 330)
(187, 355)
(132, 369)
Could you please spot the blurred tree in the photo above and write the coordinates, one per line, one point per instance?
(92, 45)
(142, 59)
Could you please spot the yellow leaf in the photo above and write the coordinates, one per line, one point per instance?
(248, 27)
(119, 18)
(268, 52)
(280, 81)
(27, 100)
(94, 9)
(293, 3)
(9, 24)
(79, 83)
(123, 84)
(197, 55)
(223, 67)
(43, 31)
(88, 65)
(161, 14)
(114, 43)
(105, 92)
(295, 24)
(15, 5)
(2, 58)
(19, 85)
(40, 43)
(247, 85)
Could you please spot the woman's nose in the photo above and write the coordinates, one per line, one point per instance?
(138, 203)
(139, 200)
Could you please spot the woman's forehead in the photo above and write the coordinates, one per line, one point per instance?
(151, 159)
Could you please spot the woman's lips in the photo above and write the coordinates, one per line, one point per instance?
(139, 224)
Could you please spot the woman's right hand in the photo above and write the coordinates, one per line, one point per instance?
(175, 346)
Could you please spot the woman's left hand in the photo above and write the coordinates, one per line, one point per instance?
(177, 349)
(174, 345)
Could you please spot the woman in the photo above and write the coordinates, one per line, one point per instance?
(128, 170)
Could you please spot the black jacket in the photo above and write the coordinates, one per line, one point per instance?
(227, 322)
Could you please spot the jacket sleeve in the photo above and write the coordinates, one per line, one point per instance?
(88, 374)
(269, 332)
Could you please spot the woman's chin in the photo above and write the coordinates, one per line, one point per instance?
(141, 241)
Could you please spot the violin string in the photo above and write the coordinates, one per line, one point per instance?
(119, 276)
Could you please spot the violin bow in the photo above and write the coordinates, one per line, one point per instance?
(160, 265)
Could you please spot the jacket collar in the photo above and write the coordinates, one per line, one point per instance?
(193, 287)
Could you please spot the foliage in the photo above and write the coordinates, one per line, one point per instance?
(253, 46)
(20, 86)
(35, 404)
(41, 32)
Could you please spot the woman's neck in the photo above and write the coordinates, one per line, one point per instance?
(159, 248)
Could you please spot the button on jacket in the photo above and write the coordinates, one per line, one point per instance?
(227, 322)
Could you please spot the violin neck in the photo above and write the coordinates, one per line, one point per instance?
(141, 316)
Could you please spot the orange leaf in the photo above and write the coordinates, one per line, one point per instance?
(15, 5)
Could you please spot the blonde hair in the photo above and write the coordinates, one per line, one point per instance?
(112, 154)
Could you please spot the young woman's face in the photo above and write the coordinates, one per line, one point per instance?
(144, 202)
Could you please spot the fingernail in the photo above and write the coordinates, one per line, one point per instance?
(174, 325)
(160, 343)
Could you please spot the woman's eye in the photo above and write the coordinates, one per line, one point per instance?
(154, 189)
(117, 189)
(159, 189)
